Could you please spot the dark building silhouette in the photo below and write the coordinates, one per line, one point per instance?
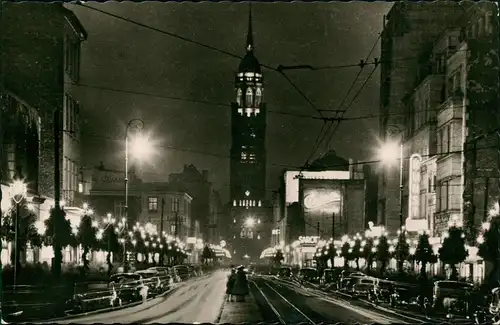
(248, 152)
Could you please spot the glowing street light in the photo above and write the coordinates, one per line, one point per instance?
(250, 222)
(18, 192)
(388, 154)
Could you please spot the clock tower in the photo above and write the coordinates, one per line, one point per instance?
(248, 151)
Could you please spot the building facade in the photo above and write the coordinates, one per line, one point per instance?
(410, 29)
(450, 128)
(340, 182)
(248, 155)
(157, 200)
(32, 96)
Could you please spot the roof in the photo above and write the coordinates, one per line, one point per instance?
(250, 62)
(75, 23)
(329, 161)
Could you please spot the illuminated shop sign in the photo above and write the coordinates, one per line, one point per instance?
(309, 239)
(414, 187)
(323, 200)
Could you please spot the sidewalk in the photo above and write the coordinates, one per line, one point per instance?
(240, 312)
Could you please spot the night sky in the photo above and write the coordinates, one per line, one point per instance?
(128, 57)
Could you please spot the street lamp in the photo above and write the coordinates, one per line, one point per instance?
(250, 222)
(18, 191)
(388, 154)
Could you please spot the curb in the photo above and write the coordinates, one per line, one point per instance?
(133, 304)
(109, 309)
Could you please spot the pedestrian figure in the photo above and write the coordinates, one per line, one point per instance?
(230, 284)
(240, 287)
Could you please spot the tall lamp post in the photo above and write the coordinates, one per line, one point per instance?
(18, 193)
(388, 154)
(137, 125)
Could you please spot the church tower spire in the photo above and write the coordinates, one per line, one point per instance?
(250, 31)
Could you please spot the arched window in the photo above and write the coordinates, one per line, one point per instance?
(249, 98)
(239, 93)
(258, 97)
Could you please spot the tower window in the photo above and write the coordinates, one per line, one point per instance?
(258, 97)
(234, 203)
(251, 157)
(239, 93)
(249, 97)
(243, 156)
(260, 203)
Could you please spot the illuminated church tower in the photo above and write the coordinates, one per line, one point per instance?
(248, 150)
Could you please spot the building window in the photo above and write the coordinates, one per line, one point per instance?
(259, 204)
(72, 58)
(175, 204)
(71, 115)
(172, 229)
(251, 157)
(243, 156)
(234, 203)
(239, 93)
(152, 204)
(444, 139)
(434, 184)
(249, 98)
(443, 196)
(258, 97)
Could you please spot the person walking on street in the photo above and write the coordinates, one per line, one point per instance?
(240, 287)
(230, 284)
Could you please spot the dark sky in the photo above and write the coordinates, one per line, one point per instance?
(125, 56)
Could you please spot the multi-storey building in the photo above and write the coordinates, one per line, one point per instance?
(409, 30)
(450, 128)
(332, 178)
(72, 187)
(32, 96)
(159, 204)
(206, 204)
(248, 156)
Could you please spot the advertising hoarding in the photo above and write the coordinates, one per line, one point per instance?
(292, 181)
(332, 208)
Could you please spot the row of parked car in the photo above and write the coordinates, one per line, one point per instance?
(125, 288)
(452, 297)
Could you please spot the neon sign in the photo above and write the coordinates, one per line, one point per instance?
(309, 239)
(327, 201)
(414, 187)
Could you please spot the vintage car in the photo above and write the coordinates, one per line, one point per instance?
(451, 296)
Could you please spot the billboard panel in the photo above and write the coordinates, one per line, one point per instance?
(292, 181)
(332, 208)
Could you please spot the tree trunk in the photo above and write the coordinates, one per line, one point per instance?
(357, 264)
(454, 272)
(382, 267)
(346, 263)
(401, 265)
(86, 263)
(423, 269)
(110, 265)
(56, 265)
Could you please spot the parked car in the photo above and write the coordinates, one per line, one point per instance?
(453, 296)
(165, 275)
(308, 274)
(152, 279)
(182, 271)
(285, 272)
(128, 287)
(330, 276)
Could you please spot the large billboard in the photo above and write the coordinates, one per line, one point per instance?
(292, 181)
(332, 208)
(321, 202)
